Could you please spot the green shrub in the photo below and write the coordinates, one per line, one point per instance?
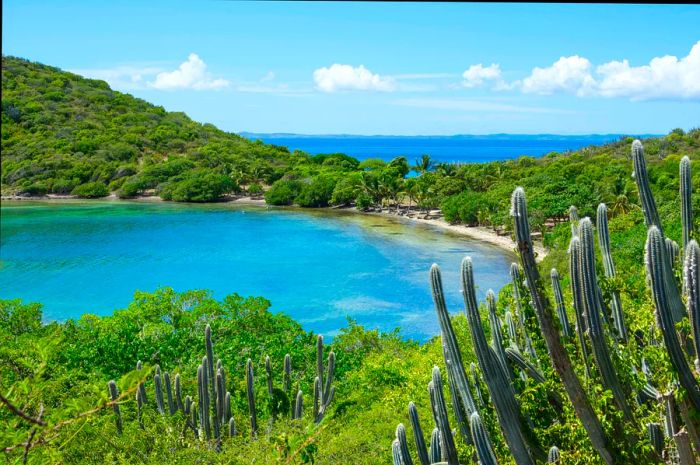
(283, 192)
(91, 190)
(255, 189)
(317, 193)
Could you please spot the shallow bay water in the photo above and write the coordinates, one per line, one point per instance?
(319, 267)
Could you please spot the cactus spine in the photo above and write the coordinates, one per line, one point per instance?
(691, 280)
(594, 310)
(114, 395)
(686, 189)
(481, 441)
(609, 266)
(435, 451)
(452, 353)
(437, 401)
(298, 406)
(169, 393)
(251, 398)
(418, 434)
(403, 445)
(497, 380)
(159, 392)
(554, 456)
(657, 265)
(559, 299)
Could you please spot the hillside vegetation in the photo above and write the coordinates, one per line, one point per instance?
(630, 335)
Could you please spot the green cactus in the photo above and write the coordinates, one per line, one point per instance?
(159, 393)
(251, 398)
(657, 265)
(323, 392)
(516, 280)
(114, 395)
(169, 393)
(609, 267)
(496, 335)
(396, 452)
(227, 408)
(497, 380)
(298, 406)
(203, 394)
(686, 201)
(418, 434)
(437, 401)
(231, 427)
(481, 441)
(268, 370)
(516, 357)
(139, 408)
(403, 445)
(573, 219)
(219, 405)
(656, 437)
(554, 456)
(594, 311)
(142, 386)
(579, 307)
(435, 451)
(178, 393)
(691, 279)
(453, 357)
(559, 299)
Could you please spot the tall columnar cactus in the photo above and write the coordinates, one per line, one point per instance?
(554, 456)
(451, 351)
(475, 383)
(139, 408)
(396, 452)
(159, 393)
(220, 401)
(227, 408)
(656, 437)
(651, 218)
(268, 371)
(210, 351)
(324, 391)
(516, 357)
(557, 352)
(651, 215)
(114, 395)
(691, 279)
(178, 393)
(673, 251)
(561, 308)
(403, 445)
(298, 406)
(142, 386)
(169, 393)
(657, 265)
(495, 324)
(437, 401)
(577, 294)
(251, 398)
(573, 219)
(231, 427)
(686, 201)
(287, 378)
(594, 310)
(609, 267)
(418, 434)
(435, 450)
(516, 280)
(481, 441)
(203, 394)
(497, 380)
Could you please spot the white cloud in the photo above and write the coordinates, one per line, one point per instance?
(191, 74)
(663, 77)
(568, 74)
(270, 76)
(478, 75)
(666, 77)
(345, 77)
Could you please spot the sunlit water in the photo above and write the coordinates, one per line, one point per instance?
(319, 267)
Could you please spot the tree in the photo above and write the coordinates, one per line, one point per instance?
(423, 164)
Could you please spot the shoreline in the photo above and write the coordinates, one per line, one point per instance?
(478, 233)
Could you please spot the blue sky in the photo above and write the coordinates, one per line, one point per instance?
(365, 68)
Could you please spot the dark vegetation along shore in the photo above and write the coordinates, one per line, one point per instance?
(593, 363)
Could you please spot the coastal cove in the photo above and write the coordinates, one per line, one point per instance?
(319, 266)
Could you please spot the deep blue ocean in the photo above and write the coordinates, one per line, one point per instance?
(462, 149)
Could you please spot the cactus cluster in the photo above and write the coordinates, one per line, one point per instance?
(601, 331)
(208, 415)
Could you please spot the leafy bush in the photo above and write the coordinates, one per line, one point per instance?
(198, 186)
(91, 190)
(283, 192)
(317, 193)
(255, 189)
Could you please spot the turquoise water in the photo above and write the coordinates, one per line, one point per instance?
(318, 267)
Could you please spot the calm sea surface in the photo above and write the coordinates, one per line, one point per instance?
(318, 267)
(452, 149)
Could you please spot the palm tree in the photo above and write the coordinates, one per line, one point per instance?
(423, 164)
